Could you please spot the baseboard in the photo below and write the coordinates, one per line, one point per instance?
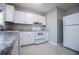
(56, 44)
(60, 44)
(52, 43)
(40, 43)
(27, 45)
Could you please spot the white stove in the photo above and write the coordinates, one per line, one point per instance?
(40, 37)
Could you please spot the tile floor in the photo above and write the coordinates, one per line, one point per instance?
(46, 49)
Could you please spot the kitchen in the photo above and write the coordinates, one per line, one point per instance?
(34, 28)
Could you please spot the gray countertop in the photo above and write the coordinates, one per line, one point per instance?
(6, 39)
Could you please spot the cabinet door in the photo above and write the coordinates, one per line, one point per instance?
(10, 12)
(1, 19)
(19, 17)
(27, 38)
(23, 17)
(29, 18)
(35, 18)
(42, 20)
(15, 50)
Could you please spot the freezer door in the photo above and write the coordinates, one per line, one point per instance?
(71, 37)
(71, 19)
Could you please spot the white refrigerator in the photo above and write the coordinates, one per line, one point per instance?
(71, 31)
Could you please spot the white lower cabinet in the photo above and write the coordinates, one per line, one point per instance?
(16, 47)
(26, 38)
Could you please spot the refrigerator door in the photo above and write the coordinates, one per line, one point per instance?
(71, 19)
(71, 37)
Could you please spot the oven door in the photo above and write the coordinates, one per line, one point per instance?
(39, 35)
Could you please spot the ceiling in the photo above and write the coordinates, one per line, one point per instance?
(43, 7)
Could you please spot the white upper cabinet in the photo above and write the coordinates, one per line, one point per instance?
(28, 18)
(19, 17)
(35, 17)
(23, 18)
(1, 19)
(9, 13)
(42, 19)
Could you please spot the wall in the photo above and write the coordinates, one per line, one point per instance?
(55, 25)
(72, 10)
(8, 25)
(60, 14)
(52, 25)
(22, 27)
